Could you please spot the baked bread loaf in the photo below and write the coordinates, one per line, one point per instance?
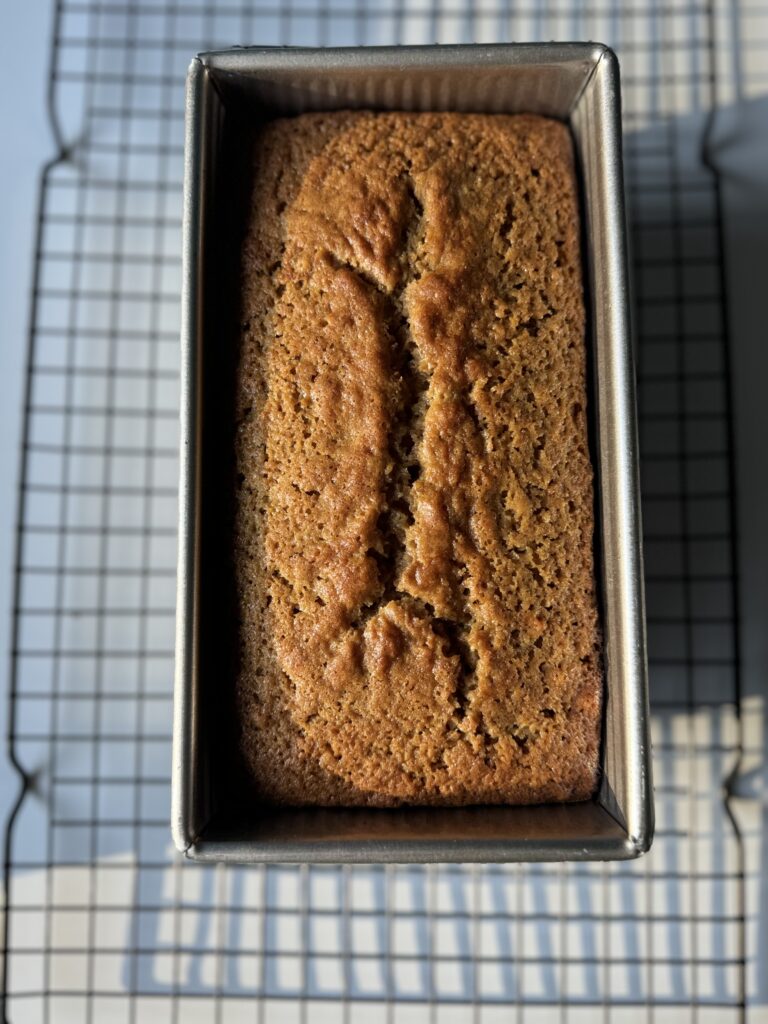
(413, 552)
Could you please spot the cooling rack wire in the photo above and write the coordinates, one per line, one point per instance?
(104, 921)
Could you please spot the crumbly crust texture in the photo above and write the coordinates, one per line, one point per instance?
(413, 542)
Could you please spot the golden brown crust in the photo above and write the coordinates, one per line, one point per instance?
(414, 508)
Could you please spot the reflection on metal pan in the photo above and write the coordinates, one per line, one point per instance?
(579, 83)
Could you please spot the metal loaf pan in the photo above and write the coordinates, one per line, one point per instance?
(579, 83)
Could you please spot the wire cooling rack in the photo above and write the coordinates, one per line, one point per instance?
(104, 921)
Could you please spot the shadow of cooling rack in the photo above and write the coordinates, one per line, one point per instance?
(104, 921)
